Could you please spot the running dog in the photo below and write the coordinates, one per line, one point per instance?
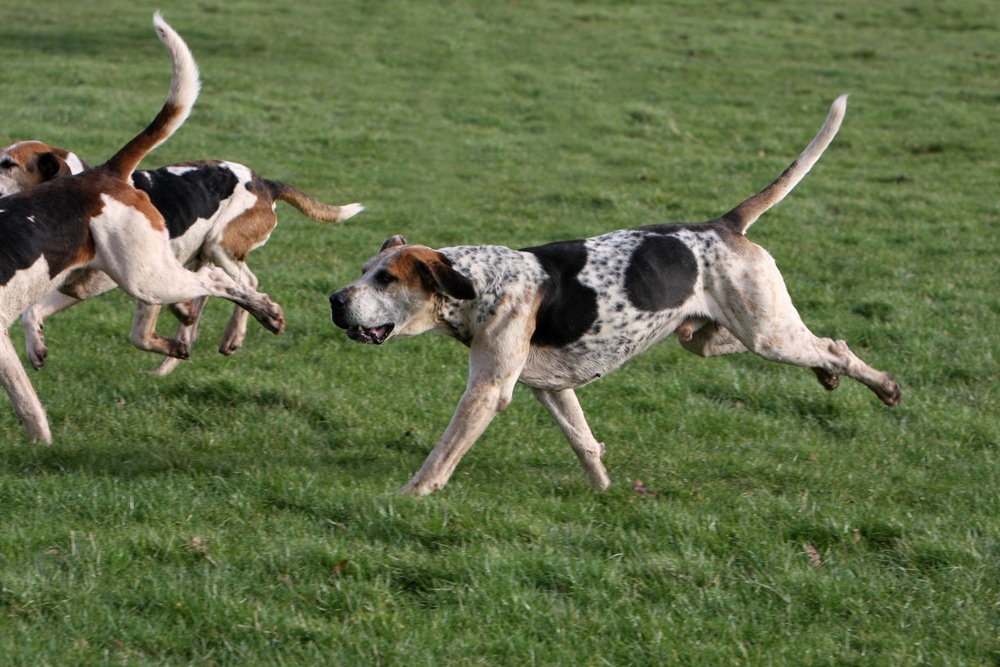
(558, 316)
(56, 234)
(216, 212)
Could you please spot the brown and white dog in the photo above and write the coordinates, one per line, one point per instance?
(216, 213)
(558, 316)
(54, 236)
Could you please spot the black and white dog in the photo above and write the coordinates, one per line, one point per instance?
(558, 316)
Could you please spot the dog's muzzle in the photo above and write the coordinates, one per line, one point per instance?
(371, 335)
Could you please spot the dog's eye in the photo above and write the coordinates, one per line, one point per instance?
(6, 164)
(383, 278)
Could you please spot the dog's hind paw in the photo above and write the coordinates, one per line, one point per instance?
(830, 381)
(275, 323)
(267, 312)
(37, 356)
(889, 391)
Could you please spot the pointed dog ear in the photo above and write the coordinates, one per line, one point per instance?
(392, 242)
(446, 280)
(50, 165)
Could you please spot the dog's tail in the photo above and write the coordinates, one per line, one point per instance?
(744, 215)
(313, 208)
(184, 86)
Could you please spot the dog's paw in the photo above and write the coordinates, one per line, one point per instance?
(274, 323)
(269, 314)
(416, 488)
(889, 392)
(37, 355)
(830, 381)
(229, 347)
(178, 349)
(231, 341)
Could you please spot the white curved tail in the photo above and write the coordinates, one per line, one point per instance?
(184, 87)
(744, 215)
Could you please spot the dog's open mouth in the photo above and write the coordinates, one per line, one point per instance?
(374, 335)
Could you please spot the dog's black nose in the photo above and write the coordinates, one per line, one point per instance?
(337, 301)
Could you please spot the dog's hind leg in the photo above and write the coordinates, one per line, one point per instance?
(236, 329)
(565, 409)
(759, 312)
(22, 395)
(132, 247)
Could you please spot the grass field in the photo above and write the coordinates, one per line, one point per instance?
(243, 510)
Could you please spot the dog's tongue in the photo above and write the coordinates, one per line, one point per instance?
(379, 334)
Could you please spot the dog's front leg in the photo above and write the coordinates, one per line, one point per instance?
(565, 409)
(26, 404)
(144, 336)
(475, 411)
(497, 356)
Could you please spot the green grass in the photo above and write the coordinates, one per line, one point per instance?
(243, 510)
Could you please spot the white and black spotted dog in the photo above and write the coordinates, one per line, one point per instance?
(216, 212)
(56, 235)
(558, 316)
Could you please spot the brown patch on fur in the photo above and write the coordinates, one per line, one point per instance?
(405, 266)
(249, 230)
(87, 250)
(427, 269)
(136, 199)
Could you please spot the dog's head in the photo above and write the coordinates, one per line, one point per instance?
(25, 164)
(397, 293)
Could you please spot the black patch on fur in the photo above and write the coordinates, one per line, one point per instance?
(661, 273)
(185, 198)
(43, 221)
(568, 307)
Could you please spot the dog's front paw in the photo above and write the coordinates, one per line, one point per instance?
(416, 487)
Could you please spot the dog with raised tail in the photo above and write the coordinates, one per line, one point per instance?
(54, 236)
(558, 316)
(216, 212)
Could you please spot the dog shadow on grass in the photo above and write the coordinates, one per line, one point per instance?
(217, 428)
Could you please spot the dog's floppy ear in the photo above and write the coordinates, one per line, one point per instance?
(446, 279)
(392, 242)
(50, 165)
